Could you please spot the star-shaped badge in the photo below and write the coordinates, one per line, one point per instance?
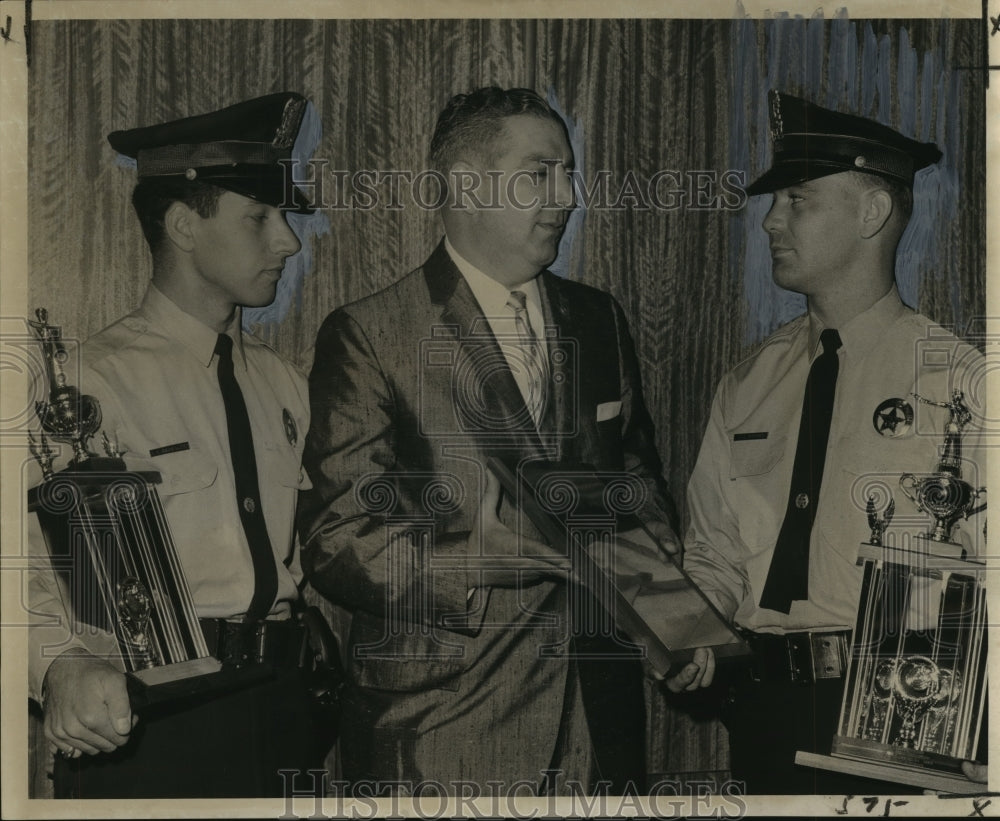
(893, 418)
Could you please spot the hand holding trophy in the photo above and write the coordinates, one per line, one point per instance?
(110, 546)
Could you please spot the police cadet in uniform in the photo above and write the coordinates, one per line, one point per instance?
(826, 402)
(222, 417)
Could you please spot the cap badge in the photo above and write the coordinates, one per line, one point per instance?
(291, 431)
(860, 162)
(893, 418)
(190, 173)
(777, 127)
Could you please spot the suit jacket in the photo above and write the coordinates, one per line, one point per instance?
(410, 395)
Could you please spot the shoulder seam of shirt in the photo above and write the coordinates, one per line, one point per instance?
(104, 351)
(785, 330)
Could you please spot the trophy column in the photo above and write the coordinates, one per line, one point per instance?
(916, 686)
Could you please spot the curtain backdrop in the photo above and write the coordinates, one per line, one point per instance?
(687, 98)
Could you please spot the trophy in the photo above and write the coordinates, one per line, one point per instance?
(915, 691)
(110, 546)
(944, 494)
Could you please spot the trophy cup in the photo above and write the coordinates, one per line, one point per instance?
(915, 692)
(944, 494)
(110, 546)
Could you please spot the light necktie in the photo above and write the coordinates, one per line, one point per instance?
(788, 575)
(533, 358)
(247, 488)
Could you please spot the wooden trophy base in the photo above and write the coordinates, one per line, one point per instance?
(929, 779)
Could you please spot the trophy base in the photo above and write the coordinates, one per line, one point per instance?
(170, 683)
(879, 761)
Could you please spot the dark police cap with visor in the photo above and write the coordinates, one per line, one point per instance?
(238, 148)
(812, 142)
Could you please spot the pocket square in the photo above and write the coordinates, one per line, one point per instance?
(608, 410)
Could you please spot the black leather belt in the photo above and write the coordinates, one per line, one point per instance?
(803, 658)
(235, 643)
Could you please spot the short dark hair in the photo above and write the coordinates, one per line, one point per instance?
(471, 123)
(152, 197)
(900, 192)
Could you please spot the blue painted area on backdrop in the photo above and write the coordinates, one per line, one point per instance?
(575, 223)
(305, 226)
(794, 64)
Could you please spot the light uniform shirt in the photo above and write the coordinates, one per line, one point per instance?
(492, 298)
(155, 375)
(739, 488)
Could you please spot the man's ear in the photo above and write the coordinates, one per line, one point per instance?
(878, 208)
(178, 223)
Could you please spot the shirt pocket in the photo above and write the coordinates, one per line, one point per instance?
(184, 471)
(282, 464)
(758, 493)
(754, 457)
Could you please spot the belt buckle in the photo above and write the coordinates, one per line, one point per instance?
(259, 641)
(250, 642)
(800, 658)
(814, 656)
(828, 654)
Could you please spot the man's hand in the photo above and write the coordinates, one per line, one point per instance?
(526, 560)
(664, 535)
(974, 771)
(696, 673)
(86, 707)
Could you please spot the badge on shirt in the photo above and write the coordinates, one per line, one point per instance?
(291, 431)
(893, 418)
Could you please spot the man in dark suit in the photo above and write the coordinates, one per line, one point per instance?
(462, 663)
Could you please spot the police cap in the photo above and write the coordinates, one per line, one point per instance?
(237, 148)
(812, 142)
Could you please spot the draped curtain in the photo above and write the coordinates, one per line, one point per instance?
(681, 97)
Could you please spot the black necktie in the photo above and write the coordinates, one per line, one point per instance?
(247, 488)
(788, 575)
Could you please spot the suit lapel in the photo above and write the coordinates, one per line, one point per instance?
(560, 421)
(484, 392)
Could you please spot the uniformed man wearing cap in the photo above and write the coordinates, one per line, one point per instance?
(824, 406)
(179, 384)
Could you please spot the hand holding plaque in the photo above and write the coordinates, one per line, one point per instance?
(648, 603)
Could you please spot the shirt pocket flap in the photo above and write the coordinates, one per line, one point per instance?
(752, 457)
(184, 471)
(283, 465)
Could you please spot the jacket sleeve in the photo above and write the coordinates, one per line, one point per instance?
(365, 529)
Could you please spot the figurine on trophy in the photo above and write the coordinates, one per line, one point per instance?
(67, 416)
(878, 524)
(945, 494)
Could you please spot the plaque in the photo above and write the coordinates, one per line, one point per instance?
(649, 604)
(915, 690)
(111, 548)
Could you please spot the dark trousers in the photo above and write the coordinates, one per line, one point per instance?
(225, 746)
(768, 721)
